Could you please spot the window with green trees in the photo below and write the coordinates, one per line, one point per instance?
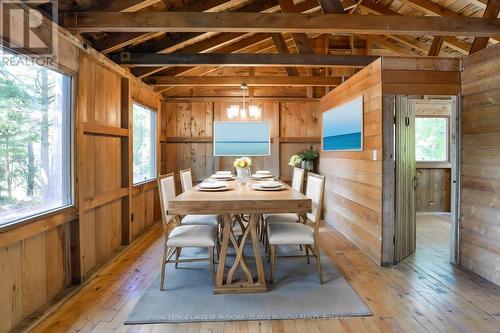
(35, 139)
(431, 139)
(144, 143)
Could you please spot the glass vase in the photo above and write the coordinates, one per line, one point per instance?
(243, 175)
(307, 165)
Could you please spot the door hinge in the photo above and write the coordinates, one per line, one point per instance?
(131, 217)
(407, 121)
(394, 239)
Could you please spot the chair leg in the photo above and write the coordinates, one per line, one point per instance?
(212, 270)
(307, 254)
(177, 255)
(273, 263)
(318, 262)
(163, 264)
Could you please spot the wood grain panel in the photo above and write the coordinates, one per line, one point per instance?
(480, 210)
(433, 191)
(353, 197)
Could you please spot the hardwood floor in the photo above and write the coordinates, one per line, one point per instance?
(422, 294)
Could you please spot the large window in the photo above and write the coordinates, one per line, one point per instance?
(144, 133)
(431, 136)
(35, 139)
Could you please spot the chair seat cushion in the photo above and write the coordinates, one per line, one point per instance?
(192, 236)
(289, 234)
(200, 220)
(280, 218)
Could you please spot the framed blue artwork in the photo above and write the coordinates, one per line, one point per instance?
(342, 127)
(242, 139)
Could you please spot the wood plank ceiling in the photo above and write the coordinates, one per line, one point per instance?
(270, 80)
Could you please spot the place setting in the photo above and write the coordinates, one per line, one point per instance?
(222, 175)
(212, 186)
(268, 185)
(262, 175)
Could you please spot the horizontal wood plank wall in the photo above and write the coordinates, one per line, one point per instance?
(480, 213)
(353, 194)
(36, 258)
(187, 134)
(99, 165)
(421, 76)
(145, 205)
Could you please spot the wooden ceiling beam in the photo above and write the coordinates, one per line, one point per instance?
(123, 5)
(491, 11)
(449, 41)
(235, 46)
(118, 41)
(282, 48)
(236, 81)
(437, 43)
(302, 43)
(432, 8)
(241, 59)
(279, 22)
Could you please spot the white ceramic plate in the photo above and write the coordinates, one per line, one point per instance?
(262, 176)
(260, 188)
(227, 173)
(222, 177)
(270, 184)
(219, 189)
(263, 172)
(212, 185)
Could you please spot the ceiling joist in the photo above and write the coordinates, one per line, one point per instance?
(236, 81)
(241, 59)
(280, 22)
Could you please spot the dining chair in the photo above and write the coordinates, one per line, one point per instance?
(297, 184)
(187, 184)
(181, 236)
(290, 233)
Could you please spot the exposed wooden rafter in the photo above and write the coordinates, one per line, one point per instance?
(236, 81)
(437, 43)
(491, 11)
(282, 48)
(280, 22)
(432, 8)
(241, 59)
(302, 42)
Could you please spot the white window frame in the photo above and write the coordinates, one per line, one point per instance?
(448, 138)
(154, 144)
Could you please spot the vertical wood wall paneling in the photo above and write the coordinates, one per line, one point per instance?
(145, 198)
(99, 165)
(433, 191)
(480, 209)
(353, 194)
(299, 124)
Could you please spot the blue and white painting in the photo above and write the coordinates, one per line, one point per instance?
(241, 139)
(343, 127)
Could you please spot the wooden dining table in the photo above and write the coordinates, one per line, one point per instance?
(239, 200)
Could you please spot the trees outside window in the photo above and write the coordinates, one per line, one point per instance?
(431, 138)
(144, 143)
(35, 138)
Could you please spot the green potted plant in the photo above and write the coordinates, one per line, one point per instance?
(308, 157)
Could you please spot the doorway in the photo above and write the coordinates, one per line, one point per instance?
(426, 178)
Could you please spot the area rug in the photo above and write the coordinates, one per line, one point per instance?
(295, 294)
